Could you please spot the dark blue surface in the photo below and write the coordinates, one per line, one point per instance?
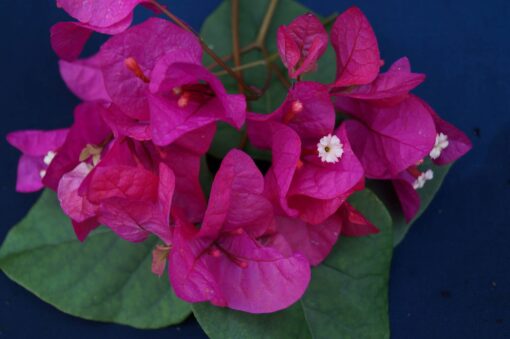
(451, 275)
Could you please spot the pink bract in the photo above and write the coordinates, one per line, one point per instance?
(225, 261)
(186, 96)
(99, 13)
(35, 146)
(357, 52)
(301, 44)
(88, 128)
(143, 45)
(388, 140)
(388, 88)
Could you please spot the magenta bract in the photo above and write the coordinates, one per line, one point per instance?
(226, 262)
(301, 44)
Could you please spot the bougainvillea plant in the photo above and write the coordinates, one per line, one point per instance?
(263, 174)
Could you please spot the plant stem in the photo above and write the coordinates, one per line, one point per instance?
(206, 48)
(235, 39)
(266, 22)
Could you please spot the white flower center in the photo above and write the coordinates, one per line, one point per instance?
(441, 144)
(48, 158)
(422, 179)
(330, 149)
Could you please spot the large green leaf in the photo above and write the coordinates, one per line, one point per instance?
(347, 297)
(105, 278)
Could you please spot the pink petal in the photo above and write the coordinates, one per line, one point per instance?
(387, 140)
(123, 125)
(315, 119)
(100, 13)
(458, 143)
(266, 282)
(88, 128)
(68, 39)
(170, 121)
(236, 200)
(316, 211)
(83, 229)
(407, 195)
(354, 224)
(303, 42)
(391, 87)
(146, 43)
(85, 79)
(313, 241)
(355, 44)
(74, 205)
(37, 143)
(320, 180)
(29, 177)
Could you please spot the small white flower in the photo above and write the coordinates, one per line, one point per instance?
(422, 179)
(48, 158)
(441, 144)
(330, 149)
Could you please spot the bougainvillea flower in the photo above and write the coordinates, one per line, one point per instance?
(129, 185)
(301, 44)
(186, 96)
(302, 184)
(88, 129)
(128, 60)
(309, 157)
(107, 17)
(85, 79)
(121, 192)
(388, 140)
(389, 88)
(307, 109)
(225, 261)
(450, 144)
(357, 52)
(39, 149)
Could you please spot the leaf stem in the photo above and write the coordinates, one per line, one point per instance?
(250, 92)
(266, 22)
(236, 54)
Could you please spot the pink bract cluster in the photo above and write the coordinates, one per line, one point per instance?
(132, 158)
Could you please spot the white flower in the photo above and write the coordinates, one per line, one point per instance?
(48, 158)
(441, 144)
(422, 179)
(330, 149)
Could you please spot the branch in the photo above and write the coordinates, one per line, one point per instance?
(236, 54)
(206, 48)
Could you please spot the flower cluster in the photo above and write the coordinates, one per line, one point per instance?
(132, 158)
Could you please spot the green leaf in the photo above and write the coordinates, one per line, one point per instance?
(385, 192)
(347, 297)
(104, 279)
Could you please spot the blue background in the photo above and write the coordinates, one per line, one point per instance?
(450, 277)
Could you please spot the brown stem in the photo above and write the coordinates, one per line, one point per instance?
(229, 57)
(205, 47)
(235, 39)
(264, 27)
(330, 19)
